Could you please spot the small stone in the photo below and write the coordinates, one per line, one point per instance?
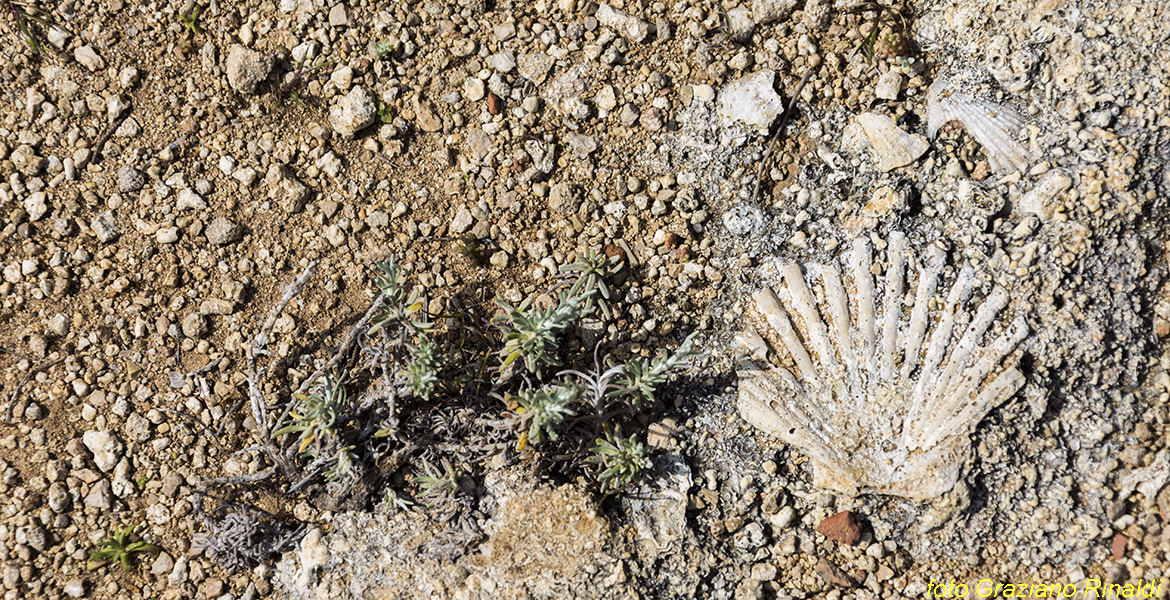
(629, 115)
(499, 259)
(335, 235)
(35, 206)
(462, 222)
(842, 527)
(703, 93)
(189, 200)
(100, 495)
(162, 564)
(503, 62)
(1119, 543)
(104, 446)
(763, 571)
(535, 66)
(195, 325)
(74, 588)
(222, 231)
(564, 198)
(338, 16)
(884, 201)
(342, 77)
(115, 106)
(354, 112)
(752, 100)
(246, 69)
(88, 57)
(832, 574)
(473, 89)
(167, 235)
(889, 85)
(178, 574)
(130, 179)
(462, 47)
(427, 119)
(505, 31)
(631, 28)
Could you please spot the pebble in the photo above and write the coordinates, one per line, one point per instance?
(246, 69)
(74, 588)
(751, 100)
(842, 527)
(105, 227)
(100, 495)
(88, 57)
(535, 66)
(462, 222)
(353, 113)
(223, 231)
(889, 85)
(338, 16)
(195, 325)
(35, 206)
(188, 199)
(130, 179)
(473, 89)
(104, 446)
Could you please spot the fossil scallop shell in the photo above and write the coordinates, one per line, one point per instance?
(993, 125)
(880, 400)
(893, 147)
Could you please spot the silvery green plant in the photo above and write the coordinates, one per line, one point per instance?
(531, 333)
(422, 374)
(437, 485)
(543, 409)
(640, 378)
(621, 459)
(592, 269)
(399, 305)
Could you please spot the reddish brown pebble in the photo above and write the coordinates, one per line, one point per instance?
(670, 241)
(1119, 542)
(615, 252)
(495, 105)
(842, 527)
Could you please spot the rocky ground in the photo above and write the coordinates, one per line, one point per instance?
(169, 169)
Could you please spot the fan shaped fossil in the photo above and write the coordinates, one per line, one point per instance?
(880, 400)
(993, 125)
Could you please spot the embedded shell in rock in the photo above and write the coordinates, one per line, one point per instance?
(881, 382)
(993, 125)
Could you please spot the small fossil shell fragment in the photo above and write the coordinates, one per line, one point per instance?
(992, 125)
(881, 396)
(894, 148)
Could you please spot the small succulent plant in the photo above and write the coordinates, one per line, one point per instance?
(119, 548)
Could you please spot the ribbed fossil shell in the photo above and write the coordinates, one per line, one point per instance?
(892, 146)
(882, 397)
(992, 125)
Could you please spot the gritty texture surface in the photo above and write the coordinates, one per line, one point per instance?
(162, 184)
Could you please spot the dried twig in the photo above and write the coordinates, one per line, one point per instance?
(259, 408)
(780, 130)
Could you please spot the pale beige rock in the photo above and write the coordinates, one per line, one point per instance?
(892, 146)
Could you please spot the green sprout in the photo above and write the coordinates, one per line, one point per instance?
(621, 459)
(641, 378)
(438, 486)
(118, 547)
(532, 334)
(422, 373)
(544, 409)
(382, 48)
(191, 19)
(593, 268)
(385, 113)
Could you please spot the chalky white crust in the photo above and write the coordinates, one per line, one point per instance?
(882, 381)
